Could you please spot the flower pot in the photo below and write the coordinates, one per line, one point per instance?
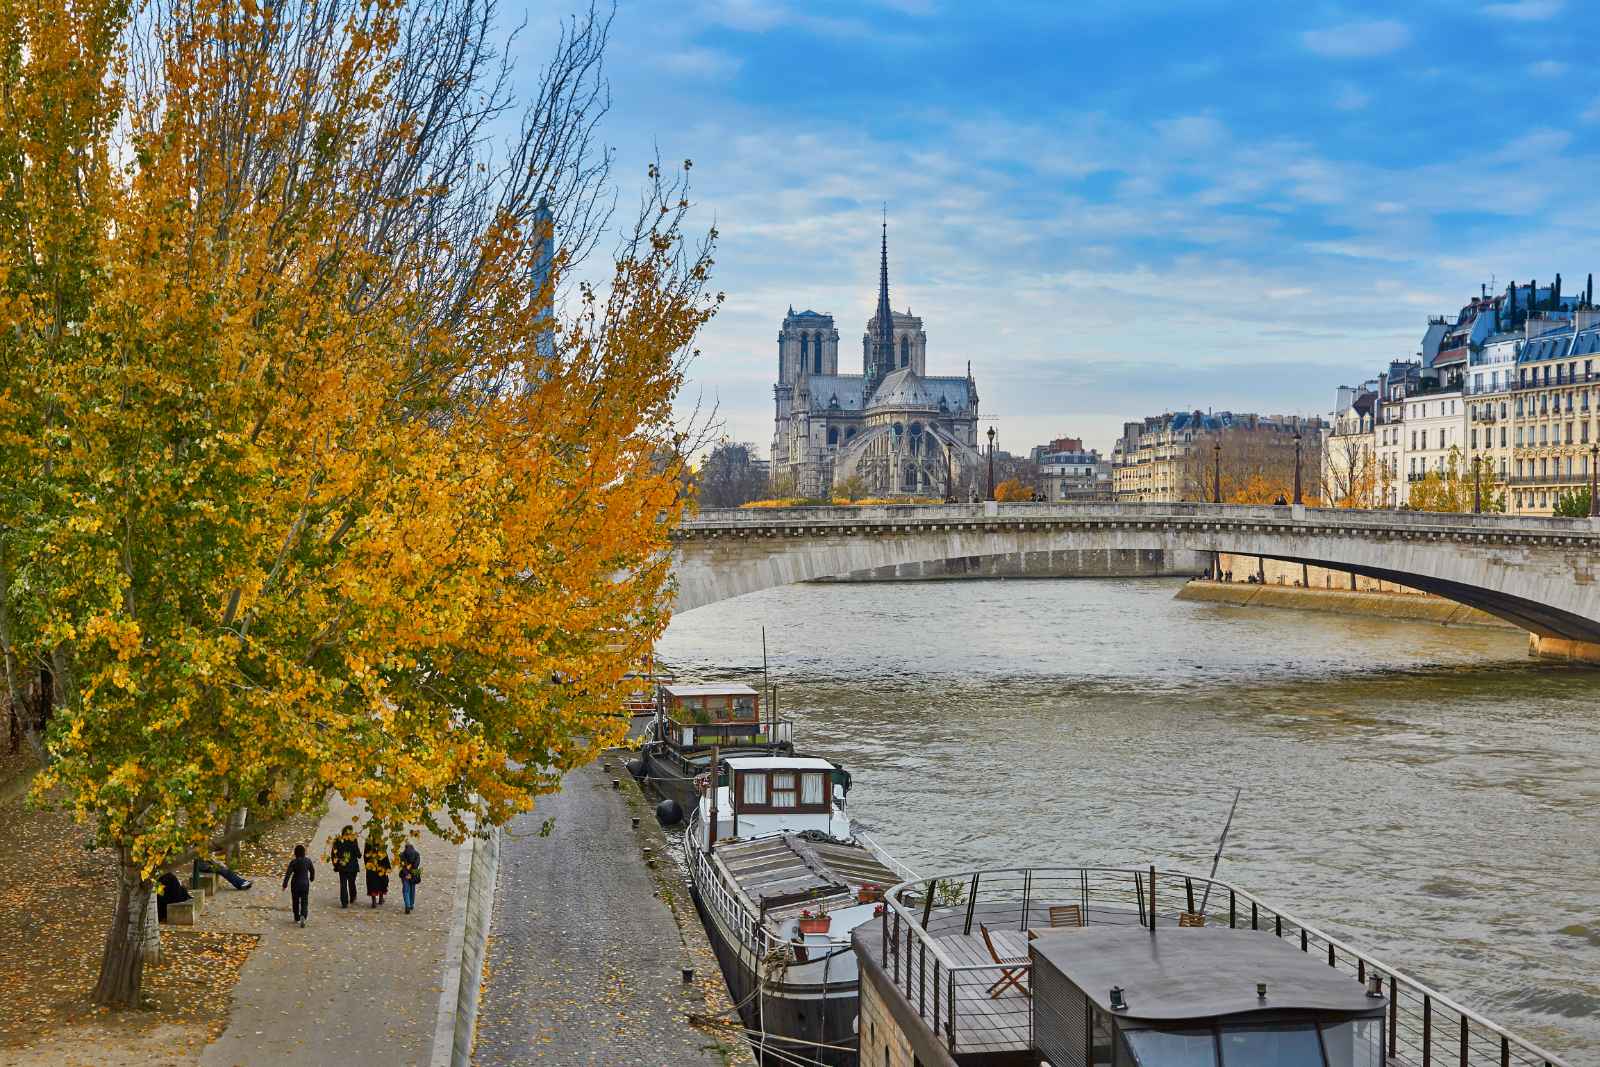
(869, 894)
(818, 925)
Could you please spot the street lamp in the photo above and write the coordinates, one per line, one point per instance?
(1477, 486)
(1216, 472)
(1594, 501)
(1297, 498)
(991, 462)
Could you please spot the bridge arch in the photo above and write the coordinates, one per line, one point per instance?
(1537, 573)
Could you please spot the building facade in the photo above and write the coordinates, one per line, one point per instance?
(1554, 437)
(894, 429)
(1069, 472)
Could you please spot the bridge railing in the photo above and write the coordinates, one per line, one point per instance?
(1186, 512)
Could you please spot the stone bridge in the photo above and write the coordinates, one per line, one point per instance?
(1537, 573)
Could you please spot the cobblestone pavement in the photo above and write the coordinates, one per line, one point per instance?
(358, 986)
(584, 962)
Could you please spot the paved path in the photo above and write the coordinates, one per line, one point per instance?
(584, 963)
(357, 986)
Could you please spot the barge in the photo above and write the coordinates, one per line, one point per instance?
(690, 719)
(781, 881)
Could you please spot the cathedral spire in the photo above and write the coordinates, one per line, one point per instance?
(882, 359)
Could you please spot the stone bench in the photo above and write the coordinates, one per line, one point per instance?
(184, 912)
(204, 884)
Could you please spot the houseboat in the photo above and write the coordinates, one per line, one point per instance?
(1086, 966)
(691, 719)
(781, 880)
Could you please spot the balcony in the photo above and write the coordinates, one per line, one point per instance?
(728, 734)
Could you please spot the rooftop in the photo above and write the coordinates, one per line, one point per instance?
(784, 763)
(1206, 973)
(710, 689)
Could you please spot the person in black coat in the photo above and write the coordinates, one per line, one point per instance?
(297, 879)
(346, 858)
(169, 891)
(376, 858)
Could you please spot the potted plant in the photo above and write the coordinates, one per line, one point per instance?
(815, 922)
(869, 893)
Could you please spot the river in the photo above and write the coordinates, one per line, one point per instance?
(1428, 793)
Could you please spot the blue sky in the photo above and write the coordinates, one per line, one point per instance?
(1120, 208)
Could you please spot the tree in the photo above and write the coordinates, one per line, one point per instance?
(730, 476)
(1351, 476)
(1443, 490)
(1012, 490)
(1573, 503)
(1256, 462)
(851, 488)
(304, 482)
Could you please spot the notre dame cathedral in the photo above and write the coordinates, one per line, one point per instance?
(901, 432)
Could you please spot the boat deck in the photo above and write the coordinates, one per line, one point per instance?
(784, 873)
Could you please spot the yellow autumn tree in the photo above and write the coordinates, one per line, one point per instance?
(309, 477)
(1012, 491)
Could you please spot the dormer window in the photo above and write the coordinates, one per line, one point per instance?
(779, 790)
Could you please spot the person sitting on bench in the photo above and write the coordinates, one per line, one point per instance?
(223, 871)
(169, 891)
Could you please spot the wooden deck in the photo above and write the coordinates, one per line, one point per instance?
(983, 1023)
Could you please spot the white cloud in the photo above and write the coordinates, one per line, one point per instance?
(1592, 112)
(1525, 10)
(1350, 98)
(1358, 40)
(697, 62)
(1547, 68)
(1192, 132)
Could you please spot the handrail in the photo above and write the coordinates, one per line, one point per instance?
(1260, 915)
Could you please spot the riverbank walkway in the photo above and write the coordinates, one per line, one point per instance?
(588, 943)
(358, 986)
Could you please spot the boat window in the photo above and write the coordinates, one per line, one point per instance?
(783, 789)
(811, 788)
(744, 707)
(755, 788)
(1168, 1048)
(1273, 1046)
(1357, 1043)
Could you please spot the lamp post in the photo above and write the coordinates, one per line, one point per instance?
(991, 462)
(1594, 501)
(1216, 472)
(1297, 498)
(1477, 486)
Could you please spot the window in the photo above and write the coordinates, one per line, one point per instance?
(1181, 1048)
(1503, 436)
(755, 789)
(1357, 1043)
(1270, 1046)
(811, 786)
(1474, 438)
(783, 789)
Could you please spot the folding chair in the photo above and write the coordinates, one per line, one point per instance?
(1010, 975)
(1066, 915)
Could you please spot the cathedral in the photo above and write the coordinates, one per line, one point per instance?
(901, 432)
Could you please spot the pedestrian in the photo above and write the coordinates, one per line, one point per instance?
(346, 857)
(297, 879)
(169, 890)
(410, 875)
(376, 858)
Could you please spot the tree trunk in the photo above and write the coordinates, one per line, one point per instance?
(134, 939)
(236, 823)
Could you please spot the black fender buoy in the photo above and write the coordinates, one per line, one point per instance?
(635, 767)
(669, 812)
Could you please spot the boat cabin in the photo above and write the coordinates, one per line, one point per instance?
(728, 714)
(1208, 997)
(757, 796)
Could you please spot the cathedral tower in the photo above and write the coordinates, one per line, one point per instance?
(808, 344)
(880, 353)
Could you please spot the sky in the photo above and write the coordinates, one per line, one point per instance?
(1111, 209)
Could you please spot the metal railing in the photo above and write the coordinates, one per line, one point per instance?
(687, 734)
(931, 936)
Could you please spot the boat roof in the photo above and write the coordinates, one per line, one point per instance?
(779, 763)
(1198, 973)
(782, 873)
(711, 689)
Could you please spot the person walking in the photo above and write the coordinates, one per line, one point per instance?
(346, 857)
(376, 858)
(410, 875)
(297, 879)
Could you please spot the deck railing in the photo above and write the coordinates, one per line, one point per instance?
(926, 920)
(688, 733)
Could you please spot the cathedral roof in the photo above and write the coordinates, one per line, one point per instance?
(906, 389)
(830, 390)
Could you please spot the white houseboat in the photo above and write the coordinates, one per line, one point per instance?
(781, 881)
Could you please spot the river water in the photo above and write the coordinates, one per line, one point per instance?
(1427, 793)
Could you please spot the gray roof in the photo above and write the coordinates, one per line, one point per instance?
(905, 388)
(826, 388)
(1201, 973)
